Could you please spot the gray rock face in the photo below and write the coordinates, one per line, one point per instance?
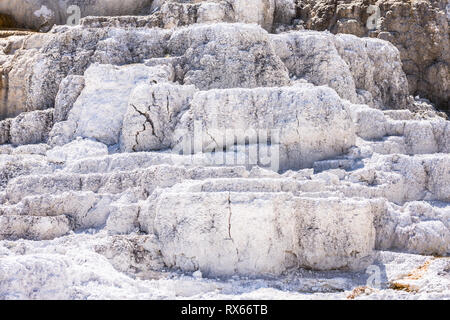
(348, 65)
(152, 115)
(226, 248)
(43, 228)
(152, 147)
(419, 29)
(295, 51)
(43, 14)
(57, 57)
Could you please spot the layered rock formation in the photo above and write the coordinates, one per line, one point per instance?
(419, 29)
(182, 145)
(43, 14)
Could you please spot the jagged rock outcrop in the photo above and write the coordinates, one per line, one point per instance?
(155, 146)
(235, 56)
(199, 65)
(152, 116)
(70, 89)
(43, 14)
(56, 57)
(421, 25)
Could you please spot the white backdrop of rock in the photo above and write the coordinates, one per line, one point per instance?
(131, 149)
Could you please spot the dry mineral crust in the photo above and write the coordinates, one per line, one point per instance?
(217, 149)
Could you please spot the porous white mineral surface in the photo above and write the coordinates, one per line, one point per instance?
(148, 150)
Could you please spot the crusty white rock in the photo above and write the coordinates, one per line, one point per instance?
(347, 64)
(236, 55)
(152, 115)
(180, 146)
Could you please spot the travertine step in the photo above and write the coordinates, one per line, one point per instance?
(210, 231)
(182, 140)
(143, 182)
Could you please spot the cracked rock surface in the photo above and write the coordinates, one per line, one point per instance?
(419, 29)
(214, 150)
